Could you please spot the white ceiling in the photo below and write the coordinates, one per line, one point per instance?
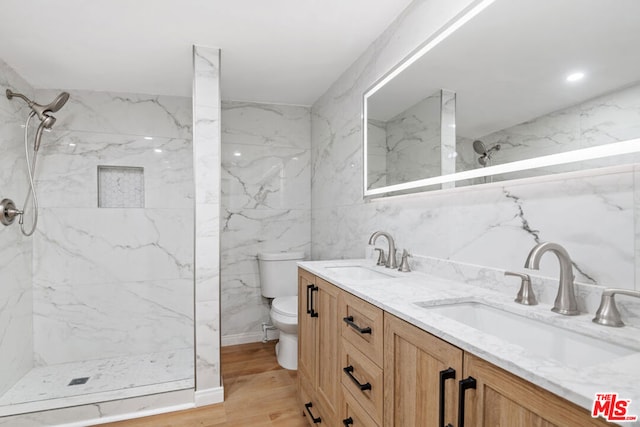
(282, 51)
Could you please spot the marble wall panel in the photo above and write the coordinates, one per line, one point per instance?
(265, 202)
(16, 312)
(68, 162)
(132, 317)
(108, 245)
(84, 255)
(123, 113)
(206, 151)
(496, 225)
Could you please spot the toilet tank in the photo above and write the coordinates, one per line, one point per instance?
(279, 273)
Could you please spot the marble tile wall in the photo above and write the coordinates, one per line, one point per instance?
(594, 217)
(112, 282)
(266, 203)
(206, 152)
(16, 310)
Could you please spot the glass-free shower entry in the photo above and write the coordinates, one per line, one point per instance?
(98, 303)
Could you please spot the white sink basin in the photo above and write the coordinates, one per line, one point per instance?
(537, 337)
(357, 272)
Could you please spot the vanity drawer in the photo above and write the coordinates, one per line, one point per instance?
(353, 415)
(363, 379)
(362, 326)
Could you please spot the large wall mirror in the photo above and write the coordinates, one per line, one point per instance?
(510, 89)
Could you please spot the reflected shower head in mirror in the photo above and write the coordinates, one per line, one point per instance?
(479, 147)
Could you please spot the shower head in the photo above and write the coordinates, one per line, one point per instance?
(42, 111)
(479, 147)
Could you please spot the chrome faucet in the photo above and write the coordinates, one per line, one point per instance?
(391, 258)
(566, 302)
(608, 313)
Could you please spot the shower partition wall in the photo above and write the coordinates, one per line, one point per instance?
(105, 293)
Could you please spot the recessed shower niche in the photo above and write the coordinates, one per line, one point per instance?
(120, 187)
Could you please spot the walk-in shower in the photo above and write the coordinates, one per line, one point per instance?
(8, 210)
(98, 303)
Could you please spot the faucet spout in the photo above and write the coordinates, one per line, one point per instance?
(391, 259)
(565, 302)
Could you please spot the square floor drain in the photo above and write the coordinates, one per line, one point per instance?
(77, 381)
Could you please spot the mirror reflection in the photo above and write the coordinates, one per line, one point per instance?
(518, 81)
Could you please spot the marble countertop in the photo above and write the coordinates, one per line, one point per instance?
(400, 294)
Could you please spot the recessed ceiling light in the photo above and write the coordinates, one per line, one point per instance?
(71, 144)
(158, 150)
(574, 77)
(148, 138)
(237, 153)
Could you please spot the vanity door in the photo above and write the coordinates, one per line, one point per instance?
(421, 374)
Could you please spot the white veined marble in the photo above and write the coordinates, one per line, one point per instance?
(123, 113)
(66, 173)
(16, 310)
(206, 148)
(265, 201)
(152, 372)
(132, 317)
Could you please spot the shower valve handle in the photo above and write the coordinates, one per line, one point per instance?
(8, 212)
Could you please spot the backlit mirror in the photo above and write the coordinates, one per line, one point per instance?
(509, 89)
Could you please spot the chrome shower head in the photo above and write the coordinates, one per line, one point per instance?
(43, 110)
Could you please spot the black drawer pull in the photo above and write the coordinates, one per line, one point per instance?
(348, 370)
(309, 287)
(464, 385)
(308, 407)
(313, 312)
(447, 374)
(347, 422)
(349, 321)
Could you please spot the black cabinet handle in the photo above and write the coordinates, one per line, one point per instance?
(348, 370)
(447, 374)
(349, 321)
(464, 385)
(308, 407)
(347, 422)
(312, 311)
(309, 287)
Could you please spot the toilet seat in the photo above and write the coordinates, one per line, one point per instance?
(286, 306)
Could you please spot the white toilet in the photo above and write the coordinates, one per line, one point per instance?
(279, 280)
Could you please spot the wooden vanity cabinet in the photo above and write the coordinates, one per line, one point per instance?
(362, 330)
(413, 377)
(503, 399)
(421, 374)
(318, 349)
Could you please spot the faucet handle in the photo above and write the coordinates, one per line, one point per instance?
(381, 258)
(404, 263)
(525, 296)
(608, 314)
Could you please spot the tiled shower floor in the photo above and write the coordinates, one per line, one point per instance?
(47, 387)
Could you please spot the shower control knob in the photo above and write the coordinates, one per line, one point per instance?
(8, 212)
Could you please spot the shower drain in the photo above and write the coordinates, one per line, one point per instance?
(77, 381)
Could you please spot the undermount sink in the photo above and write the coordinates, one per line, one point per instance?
(357, 272)
(539, 338)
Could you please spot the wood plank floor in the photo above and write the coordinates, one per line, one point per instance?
(258, 393)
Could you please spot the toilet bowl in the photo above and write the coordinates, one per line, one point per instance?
(284, 316)
(279, 280)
